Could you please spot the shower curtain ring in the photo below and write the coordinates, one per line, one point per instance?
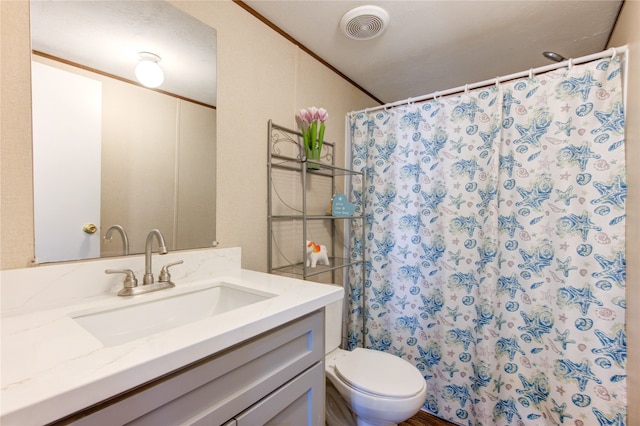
(570, 63)
(410, 101)
(615, 52)
(498, 82)
(531, 74)
(466, 89)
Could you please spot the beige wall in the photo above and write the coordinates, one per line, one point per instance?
(261, 75)
(16, 194)
(145, 181)
(627, 31)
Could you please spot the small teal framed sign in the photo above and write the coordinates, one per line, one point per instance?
(341, 207)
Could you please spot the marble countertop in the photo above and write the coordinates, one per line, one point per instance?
(52, 367)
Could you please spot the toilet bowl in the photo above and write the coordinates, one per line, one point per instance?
(378, 388)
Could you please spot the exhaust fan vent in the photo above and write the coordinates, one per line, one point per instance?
(364, 22)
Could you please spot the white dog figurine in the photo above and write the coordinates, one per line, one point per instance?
(316, 253)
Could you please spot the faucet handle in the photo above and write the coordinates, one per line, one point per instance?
(165, 276)
(130, 280)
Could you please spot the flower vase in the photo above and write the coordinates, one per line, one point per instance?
(313, 155)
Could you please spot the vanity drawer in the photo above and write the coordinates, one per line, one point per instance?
(218, 387)
(293, 404)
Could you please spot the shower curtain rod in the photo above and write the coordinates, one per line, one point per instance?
(614, 51)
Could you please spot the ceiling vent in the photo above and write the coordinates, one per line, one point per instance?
(364, 22)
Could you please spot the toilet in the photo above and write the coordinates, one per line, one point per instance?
(366, 387)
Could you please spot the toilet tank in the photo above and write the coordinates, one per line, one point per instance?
(333, 326)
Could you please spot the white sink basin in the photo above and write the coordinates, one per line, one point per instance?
(124, 324)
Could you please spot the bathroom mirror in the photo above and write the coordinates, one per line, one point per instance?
(153, 164)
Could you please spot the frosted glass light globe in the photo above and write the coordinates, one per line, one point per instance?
(149, 73)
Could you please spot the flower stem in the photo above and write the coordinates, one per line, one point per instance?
(313, 137)
(320, 138)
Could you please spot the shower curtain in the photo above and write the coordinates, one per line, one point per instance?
(494, 242)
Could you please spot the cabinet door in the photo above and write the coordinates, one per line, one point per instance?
(299, 402)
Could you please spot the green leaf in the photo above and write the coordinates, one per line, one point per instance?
(314, 134)
(320, 138)
(305, 139)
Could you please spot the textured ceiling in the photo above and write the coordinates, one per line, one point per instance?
(427, 46)
(431, 46)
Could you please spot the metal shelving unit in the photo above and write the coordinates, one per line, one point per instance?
(299, 192)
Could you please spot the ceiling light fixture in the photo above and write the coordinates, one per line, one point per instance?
(556, 57)
(364, 22)
(148, 72)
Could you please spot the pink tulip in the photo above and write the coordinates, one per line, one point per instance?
(313, 112)
(322, 115)
(304, 116)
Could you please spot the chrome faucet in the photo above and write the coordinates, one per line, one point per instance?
(123, 234)
(130, 283)
(148, 274)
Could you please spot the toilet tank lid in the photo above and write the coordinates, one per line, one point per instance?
(380, 373)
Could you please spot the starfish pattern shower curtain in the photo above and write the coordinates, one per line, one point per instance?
(494, 236)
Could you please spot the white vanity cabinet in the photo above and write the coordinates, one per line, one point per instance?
(275, 378)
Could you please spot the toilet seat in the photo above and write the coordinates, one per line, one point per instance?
(379, 373)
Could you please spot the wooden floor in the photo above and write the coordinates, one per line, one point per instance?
(424, 419)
